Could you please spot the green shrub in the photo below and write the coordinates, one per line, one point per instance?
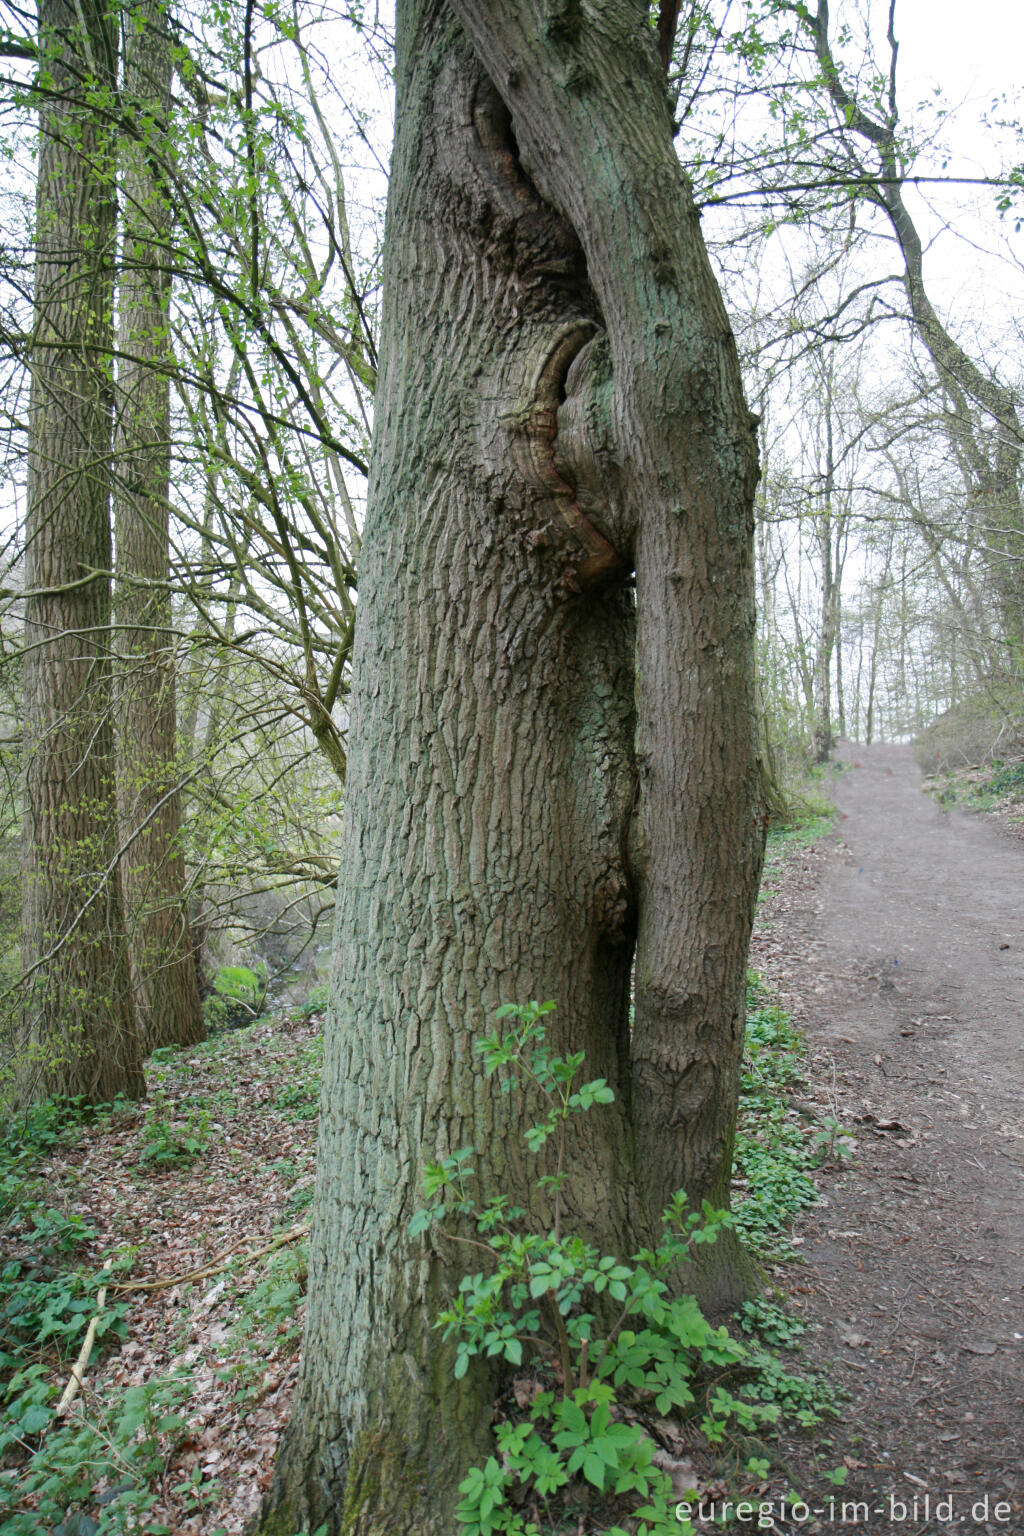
(651, 1351)
(238, 996)
(168, 1141)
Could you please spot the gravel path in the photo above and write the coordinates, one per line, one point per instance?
(904, 959)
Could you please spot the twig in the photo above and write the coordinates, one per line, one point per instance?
(215, 1266)
(78, 1369)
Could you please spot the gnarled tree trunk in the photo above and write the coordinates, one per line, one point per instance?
(539, 762)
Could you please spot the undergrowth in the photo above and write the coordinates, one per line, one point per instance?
(777, 1149)
(998, 786)
(589, 1441)
(51, 1463)
(603, 1380)
(104, 1464)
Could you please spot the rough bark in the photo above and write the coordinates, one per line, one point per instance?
(677, 467)
(532, 753)
(78, 1032)
(163, 966)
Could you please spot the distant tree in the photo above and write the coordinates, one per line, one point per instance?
(78, 1033)
(267, 344)
(836, 156)
(163, 962)
(981, 418)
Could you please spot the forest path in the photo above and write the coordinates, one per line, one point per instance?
(904, 961)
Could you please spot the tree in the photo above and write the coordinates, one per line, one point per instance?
(163, 964)
(269, 346)
(550, 779)
(981, 417)
(79, 1029)
(835, 155)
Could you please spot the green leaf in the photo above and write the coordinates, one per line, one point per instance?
(35, 1418)
(594, 1470)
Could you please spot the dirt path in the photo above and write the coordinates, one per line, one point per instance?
(905, 962)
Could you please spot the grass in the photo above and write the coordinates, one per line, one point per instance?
(998, 786)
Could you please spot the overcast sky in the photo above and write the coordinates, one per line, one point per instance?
(973, 52)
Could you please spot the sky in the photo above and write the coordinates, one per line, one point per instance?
(972, 52)
(938, 45)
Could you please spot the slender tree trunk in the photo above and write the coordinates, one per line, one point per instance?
(838, 646)
(79, 1029)
(981, 418)
(824, 528)
(822, 737)
(153, 868)
(559, 397)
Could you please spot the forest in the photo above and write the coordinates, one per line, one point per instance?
(511, 661)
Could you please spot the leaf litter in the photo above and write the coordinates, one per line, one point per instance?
(195, 1235)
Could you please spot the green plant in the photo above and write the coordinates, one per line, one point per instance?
(46, 1301)
(617, 1340)
(239, 993)
(170, 1142)
(25, 1138)
(267, 1319)
(772, 1323)
(774, 1157)
(54, 1468)
(300, 1199)
(804, 1399)
(100, 1458)
(299, 1100)
(314, 1002)
(44, 1306)
(1008, 779)
(832, 1144)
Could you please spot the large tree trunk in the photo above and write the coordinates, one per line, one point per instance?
(559, 395)
(668, 468)
(153, 868)
(79, 1032)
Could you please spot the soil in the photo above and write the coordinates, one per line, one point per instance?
(898, 943)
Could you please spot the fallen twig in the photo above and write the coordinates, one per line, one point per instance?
(215, 1266)
(78, 1369)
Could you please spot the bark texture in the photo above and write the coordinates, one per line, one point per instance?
(161, 951)
(538, 760)
(588, 106)
(79, 1032)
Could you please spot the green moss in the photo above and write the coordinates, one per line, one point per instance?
(385, 1486)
